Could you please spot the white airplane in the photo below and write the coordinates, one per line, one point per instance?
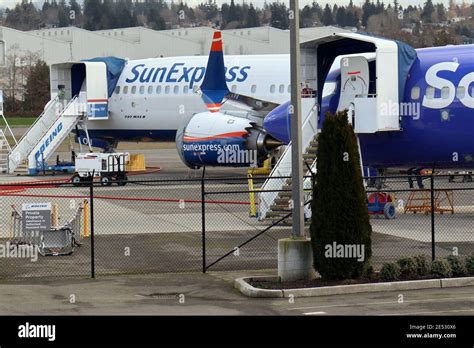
(154, 98)
(108, 100)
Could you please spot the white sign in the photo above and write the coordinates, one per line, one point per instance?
(36, 216)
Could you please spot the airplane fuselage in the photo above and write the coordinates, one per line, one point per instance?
(155, 97)
(437, 114)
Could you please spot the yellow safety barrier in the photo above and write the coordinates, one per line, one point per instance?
(55, 216)
(136, 163)
(264, 170)
(85, 224)
(253, 206)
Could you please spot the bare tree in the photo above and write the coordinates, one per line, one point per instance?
(14, 75)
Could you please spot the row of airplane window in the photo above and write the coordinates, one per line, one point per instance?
(185, 89)
(415, 91)
(445, 92)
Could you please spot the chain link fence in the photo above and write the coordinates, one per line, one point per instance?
(44, 231)
(56, 229)
(436, 220)
(238, 235)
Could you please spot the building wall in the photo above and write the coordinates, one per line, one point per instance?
(128, 34)
(159, 44)
(316, 32)
(88, 44)
(49, 50)
(63, 44)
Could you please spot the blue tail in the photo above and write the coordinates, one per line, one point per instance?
(214, 87)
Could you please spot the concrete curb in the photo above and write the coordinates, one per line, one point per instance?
(457, 282)
(248, 290)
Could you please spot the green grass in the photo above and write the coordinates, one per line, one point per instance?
(18, 121)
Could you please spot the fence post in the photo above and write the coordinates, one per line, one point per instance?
(433, 252)
(203, 220)
(92, 225)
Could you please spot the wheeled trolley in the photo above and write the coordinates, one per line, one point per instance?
(380, 203)
(108, 167)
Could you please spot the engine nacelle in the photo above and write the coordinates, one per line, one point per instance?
(220, 139)
(278, 123)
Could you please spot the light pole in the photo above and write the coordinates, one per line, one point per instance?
(296, 124)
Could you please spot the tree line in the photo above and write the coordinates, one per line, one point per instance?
(373, 16)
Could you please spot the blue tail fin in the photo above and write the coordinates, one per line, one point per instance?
(214, 87)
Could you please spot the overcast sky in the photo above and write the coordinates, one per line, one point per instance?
(9, 3)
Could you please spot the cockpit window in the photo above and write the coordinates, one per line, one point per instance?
(329, 89)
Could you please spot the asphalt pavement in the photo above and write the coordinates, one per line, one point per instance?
(212, 294)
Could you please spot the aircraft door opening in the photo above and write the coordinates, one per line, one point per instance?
(85, 80)
(355, 79)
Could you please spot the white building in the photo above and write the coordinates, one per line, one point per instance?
(84, 44)
(65, 44)
(24, 43)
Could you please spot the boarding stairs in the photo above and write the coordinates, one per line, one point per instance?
(48, 132)
(5, 147)
(275, 199)
(5, 150)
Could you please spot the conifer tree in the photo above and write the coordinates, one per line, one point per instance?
(339, 207)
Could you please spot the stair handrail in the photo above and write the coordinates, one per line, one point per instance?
(58, 116)
(63, 111)
(50, 103)
(52, 123)
(282, 171)
(7, 127)
(307, 121)
(4, 136)
(52, 118)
